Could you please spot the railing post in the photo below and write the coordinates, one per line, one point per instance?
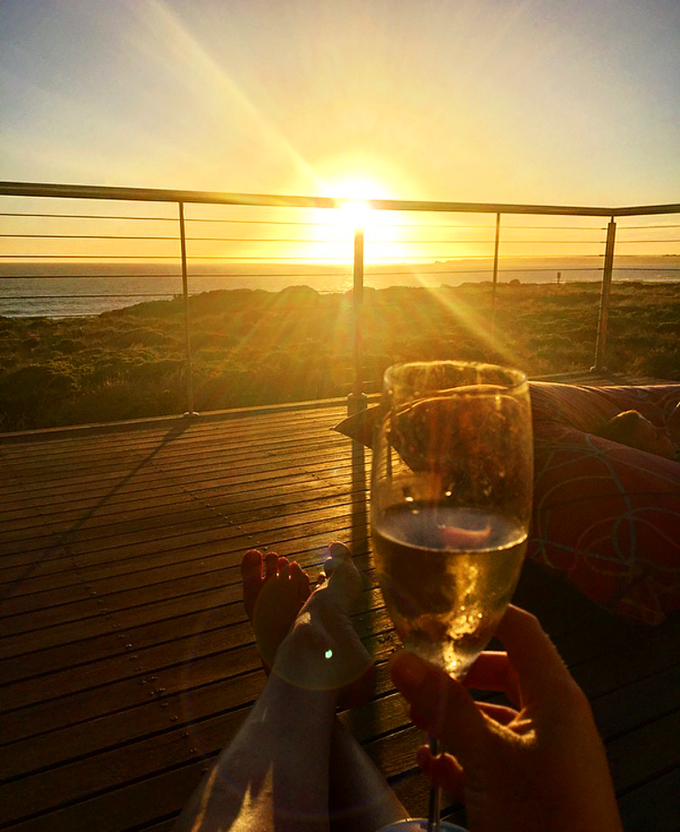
(357, 398)
(495, 273)
(603, 315)
(187, 325)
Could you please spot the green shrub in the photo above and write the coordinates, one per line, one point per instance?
(257, 347)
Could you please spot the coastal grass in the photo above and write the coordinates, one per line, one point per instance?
(252, 347)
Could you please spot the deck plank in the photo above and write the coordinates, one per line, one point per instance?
(126, 661)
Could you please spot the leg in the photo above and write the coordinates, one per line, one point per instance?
(273, 591)
(274, 775)
(360, 798)
(276, 772)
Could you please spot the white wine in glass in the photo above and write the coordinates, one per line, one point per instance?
(451, 498)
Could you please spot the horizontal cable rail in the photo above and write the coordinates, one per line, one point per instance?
(272, 200)
(289, 239)
(400, 239)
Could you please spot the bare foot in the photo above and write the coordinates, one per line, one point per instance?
(323, 651)
(274, 590)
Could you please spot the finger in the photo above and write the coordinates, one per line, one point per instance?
(499, 713)
(493, 671)
(539, 666)
(443, 772)
(440, 705)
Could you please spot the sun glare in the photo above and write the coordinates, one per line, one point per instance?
(355, 214)
(357, 188)
(352, 195)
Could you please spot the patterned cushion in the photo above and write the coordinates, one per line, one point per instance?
(605, 515)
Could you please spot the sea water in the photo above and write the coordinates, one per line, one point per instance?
(89, 292)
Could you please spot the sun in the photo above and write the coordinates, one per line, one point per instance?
(353, 195)
(354, 214)
(355, 181)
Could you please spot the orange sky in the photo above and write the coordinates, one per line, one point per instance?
(538, 101)
(492, 100)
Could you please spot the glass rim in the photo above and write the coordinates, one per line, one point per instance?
(515, 378)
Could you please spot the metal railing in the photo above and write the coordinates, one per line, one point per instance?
(162, 246)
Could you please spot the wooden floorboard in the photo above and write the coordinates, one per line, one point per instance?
(127, 663)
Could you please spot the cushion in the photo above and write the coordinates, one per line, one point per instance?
(606, 516)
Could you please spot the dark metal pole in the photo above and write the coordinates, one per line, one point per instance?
(495, 273)
(357, 399)
(603, 316)
(187, 326)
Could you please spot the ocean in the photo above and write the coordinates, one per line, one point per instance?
(60, 291)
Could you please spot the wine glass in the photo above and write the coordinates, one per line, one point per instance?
(451, 496)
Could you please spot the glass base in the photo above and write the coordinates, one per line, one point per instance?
(419, 825)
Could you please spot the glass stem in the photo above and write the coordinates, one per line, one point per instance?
(434, 811)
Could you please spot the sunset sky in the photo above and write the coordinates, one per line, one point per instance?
(541, 101)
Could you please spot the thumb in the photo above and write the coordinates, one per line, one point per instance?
(440, 705)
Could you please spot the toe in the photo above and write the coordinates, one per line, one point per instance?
(346, 579)
(338, 550)
(271, 563)
(301, 580)
(251, 565)
(283, 568)
(251, 574)
(338, 553)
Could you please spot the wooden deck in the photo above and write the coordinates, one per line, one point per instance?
(127, 662)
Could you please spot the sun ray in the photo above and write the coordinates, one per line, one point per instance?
(212, 81)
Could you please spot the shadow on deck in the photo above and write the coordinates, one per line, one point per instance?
(126, 659)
